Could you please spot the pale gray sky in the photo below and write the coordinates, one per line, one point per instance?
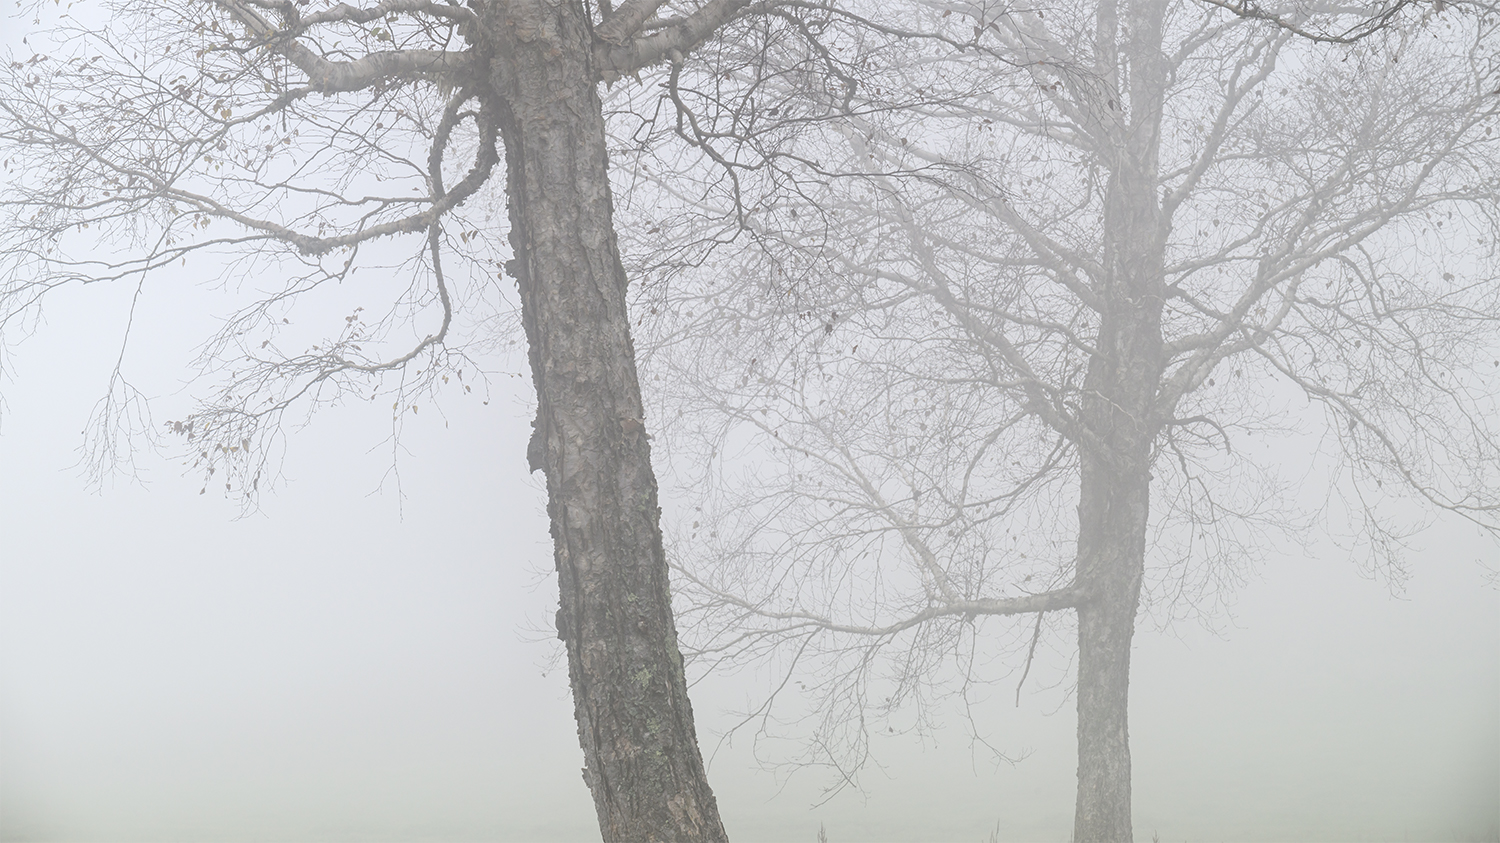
(347, 666)
(344, 667)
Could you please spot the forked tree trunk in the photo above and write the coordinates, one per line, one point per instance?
(1118, 411)
(1114, 501)
(635, 724)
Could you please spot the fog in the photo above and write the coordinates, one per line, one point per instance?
(349, 664)
(368, 656)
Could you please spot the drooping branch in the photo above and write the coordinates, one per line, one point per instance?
(151, 146)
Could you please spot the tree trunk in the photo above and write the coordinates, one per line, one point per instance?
(635, 724)
(1114, 500)
(1118, 411)
(1111, 558)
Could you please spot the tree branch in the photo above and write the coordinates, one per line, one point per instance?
(676, 39)
(1067, 597)
(618, 28)
(1380, 19)
(367, 71)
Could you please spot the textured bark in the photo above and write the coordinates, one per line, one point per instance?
(1112, 516)
(1118, 405)
(635, 724)
(1112, 512)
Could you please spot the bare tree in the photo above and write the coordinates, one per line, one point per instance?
(345, 152)
(1109, 256)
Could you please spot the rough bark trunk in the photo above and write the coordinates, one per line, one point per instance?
(1118, 410)
(635, 723)
(1111, 554)
(1114, 502)
(1112, 515)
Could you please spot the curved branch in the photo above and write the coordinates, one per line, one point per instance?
(1379, 20)
(676, 38)
(329, 77)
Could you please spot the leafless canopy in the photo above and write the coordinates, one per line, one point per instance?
(877, 401)
(331, 165)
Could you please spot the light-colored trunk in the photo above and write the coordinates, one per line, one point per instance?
(635, 723)
(1118, 408)
(1112, 517)
(1113, 506)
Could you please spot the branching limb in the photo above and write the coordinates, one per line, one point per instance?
(1047, 601)
(369, 71)
(675, 38)
(624, 23)
(1374, 20)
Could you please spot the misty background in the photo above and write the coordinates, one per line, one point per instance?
(349, 664)
(367, 657)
